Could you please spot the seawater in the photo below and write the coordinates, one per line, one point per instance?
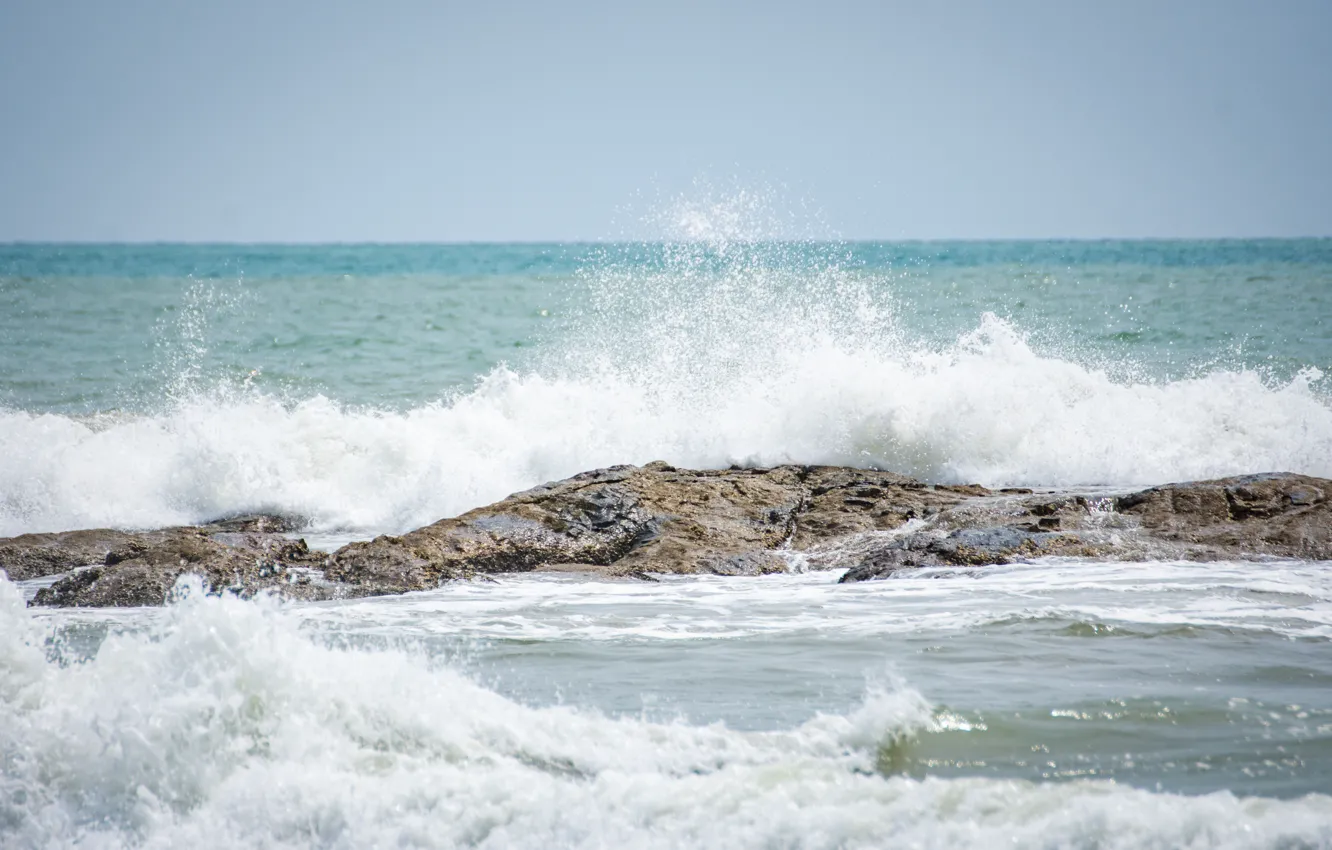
(372, 389)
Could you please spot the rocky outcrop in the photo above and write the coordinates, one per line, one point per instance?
(840, 501)
(31, 556)
(966, 547)
(656, 519)
(636, 519)
(1272, 515)
(107, 568)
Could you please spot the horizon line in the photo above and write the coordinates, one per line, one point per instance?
(316, 243)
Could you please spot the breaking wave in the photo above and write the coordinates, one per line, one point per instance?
(224, 724)
(988, 409)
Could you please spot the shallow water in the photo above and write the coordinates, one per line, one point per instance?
(1063, 703)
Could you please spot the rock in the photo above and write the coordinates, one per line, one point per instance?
(1270, 515)
(643, 521)
(654, 519)
(141, 568)
(1273, 514)
(967, 547)
(258, 523)
(844, 501)
(624, 520)
(30, 556)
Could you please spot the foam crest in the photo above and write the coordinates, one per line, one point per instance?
(988, 409)
(224, 725)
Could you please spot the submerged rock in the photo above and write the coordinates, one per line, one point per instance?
(656, 519)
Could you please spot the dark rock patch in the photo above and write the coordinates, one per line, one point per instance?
(967, 547)
(141, 568)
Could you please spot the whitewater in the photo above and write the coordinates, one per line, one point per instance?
(223, 723)
(700, 354)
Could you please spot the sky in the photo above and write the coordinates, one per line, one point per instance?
(304, 121)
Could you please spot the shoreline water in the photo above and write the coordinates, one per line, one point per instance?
(860, 713)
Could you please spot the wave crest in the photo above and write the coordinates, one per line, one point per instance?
(988, 409)
(223, 724)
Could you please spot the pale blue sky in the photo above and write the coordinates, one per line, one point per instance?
(313, 121)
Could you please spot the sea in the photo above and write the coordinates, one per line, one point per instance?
(372, 389)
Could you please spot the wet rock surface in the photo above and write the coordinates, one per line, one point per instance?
(967, 547)
(841, 501)
(1274, 514)
(1271, 515)
(109, 568)
(624, 520)
(31, 556)
(652, 520)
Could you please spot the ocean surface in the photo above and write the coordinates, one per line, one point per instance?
(375, 388)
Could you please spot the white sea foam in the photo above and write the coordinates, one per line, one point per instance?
(224, 725)
(989, 410)
(1291, 599)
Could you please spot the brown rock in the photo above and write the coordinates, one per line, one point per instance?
(640, 519)
(967, 547)
(844, 501)
(1272, 514)
(30, 556)
(140, 569)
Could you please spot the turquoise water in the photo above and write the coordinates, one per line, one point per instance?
(373, 389)
(106, 327)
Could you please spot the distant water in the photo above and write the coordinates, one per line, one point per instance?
(122, 327)
(371, 389)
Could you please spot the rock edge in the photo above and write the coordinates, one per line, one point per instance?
(656, 519)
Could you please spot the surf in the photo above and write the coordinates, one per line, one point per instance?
(225, 722)
(723, 339)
